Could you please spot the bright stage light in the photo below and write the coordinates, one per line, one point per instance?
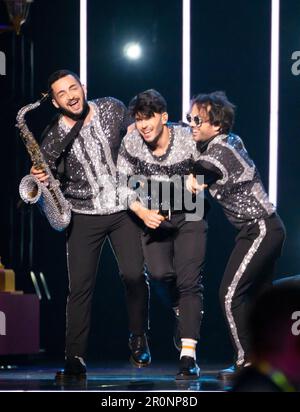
(274, 110)
(83, 41)
(133, 51)
(186, 57)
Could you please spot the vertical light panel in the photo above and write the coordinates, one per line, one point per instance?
(83, 41)
(274, 112)
(186, 57)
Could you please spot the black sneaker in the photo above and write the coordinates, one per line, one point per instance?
(140, 353)
(188, 369)
(229, 374)
(74, 370)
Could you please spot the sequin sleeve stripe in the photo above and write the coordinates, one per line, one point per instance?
(101, 149)
(126, 167)
(248, 166)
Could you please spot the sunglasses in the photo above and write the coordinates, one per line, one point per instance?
(196, 119)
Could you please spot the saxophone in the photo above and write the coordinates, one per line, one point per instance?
(49, 198)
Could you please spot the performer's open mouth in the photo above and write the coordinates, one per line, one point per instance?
(75, 104)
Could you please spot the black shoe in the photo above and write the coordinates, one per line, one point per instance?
(74, 370)
(176, 335)
(229, 374)
(188, 369)
(140, 353)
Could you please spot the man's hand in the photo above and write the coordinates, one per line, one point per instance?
(151, 218)
(39, 174)
(193, 186)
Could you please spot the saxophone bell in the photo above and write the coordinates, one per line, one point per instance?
(30, 189)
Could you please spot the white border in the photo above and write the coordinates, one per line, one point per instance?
(83, 42)
(274, 105)
(186, 57)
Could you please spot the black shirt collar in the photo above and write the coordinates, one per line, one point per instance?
(202, 146)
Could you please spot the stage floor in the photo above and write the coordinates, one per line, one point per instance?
(113, 377)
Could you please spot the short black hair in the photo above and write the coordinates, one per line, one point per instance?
(220, 110)
(148, 103)
(59, 74)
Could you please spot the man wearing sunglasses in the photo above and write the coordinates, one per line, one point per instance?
(234, 182)
(174, 246)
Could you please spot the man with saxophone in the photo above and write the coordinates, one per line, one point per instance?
(86, 136)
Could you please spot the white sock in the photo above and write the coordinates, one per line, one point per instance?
(188, 348)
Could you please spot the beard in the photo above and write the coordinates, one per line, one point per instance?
(152, 144)
(80, 116)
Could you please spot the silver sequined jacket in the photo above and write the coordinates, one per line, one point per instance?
(137, 159)
(89, 179)
(234, 180)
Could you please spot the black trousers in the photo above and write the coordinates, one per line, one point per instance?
(180, 253)
(250, 270)
(85, 238)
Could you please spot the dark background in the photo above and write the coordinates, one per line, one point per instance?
(231, 52)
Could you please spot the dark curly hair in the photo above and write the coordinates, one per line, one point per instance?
(218, 108)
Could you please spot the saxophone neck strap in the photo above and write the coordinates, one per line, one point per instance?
(74, 132)
(62, 146)
(70, 137)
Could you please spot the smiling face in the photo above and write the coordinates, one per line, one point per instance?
(69, 96)
(204, 130)
(151, 128)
